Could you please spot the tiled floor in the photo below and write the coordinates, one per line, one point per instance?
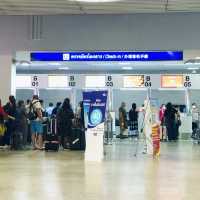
(35, 175)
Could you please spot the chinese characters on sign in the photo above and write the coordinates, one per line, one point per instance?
(108, 56)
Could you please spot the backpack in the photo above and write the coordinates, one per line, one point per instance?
(32, 115)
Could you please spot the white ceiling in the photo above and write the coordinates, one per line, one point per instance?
(46, 7)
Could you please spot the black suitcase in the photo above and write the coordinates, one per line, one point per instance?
(77, 139)
(51, 140)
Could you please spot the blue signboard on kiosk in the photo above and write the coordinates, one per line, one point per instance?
(107, 56)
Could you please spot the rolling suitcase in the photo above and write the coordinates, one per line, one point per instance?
(52, 141)
(77, 139)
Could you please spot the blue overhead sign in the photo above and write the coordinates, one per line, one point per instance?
(108, 56)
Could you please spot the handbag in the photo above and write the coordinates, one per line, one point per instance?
(2, 129)
(179, 122)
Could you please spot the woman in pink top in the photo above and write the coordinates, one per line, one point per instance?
(3, 114)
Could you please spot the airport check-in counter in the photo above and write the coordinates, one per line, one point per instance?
(122, 87)
(186, 123)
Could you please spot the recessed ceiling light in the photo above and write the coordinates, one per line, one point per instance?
(54, 64)
(192, 68)
(198, 58)
(25, 64)
(64, 68)
(127, 68)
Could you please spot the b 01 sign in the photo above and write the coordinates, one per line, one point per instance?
(35, 81)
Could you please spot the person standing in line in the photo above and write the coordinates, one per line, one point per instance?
(80, 113)
(133, 118)
(27, 106)
(55, 110)
(11, 109)
(195, 118)
(177, 122)
(49, 109)
(123, 123)
(170, 117)
(23, 122)
(3, 116)
(44, 113)
(65, 116)
(36, 123)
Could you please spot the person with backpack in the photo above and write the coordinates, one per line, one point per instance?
(22, 122)
(36, 118)
(55, 110)
(80, 115)
(64, 121)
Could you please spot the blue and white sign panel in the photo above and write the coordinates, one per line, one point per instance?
(107, 56)
(95, 107)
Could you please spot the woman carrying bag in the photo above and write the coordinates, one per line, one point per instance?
(3, 117)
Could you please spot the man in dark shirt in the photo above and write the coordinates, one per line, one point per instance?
(55, 110)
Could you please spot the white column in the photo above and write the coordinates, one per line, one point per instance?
(187, 100)
(73, 99)
(7, 78)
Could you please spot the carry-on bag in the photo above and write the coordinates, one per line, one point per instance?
(51, 140)
(77, 139)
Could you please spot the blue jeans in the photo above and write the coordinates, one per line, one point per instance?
(37, 127)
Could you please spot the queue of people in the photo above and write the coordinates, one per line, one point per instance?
(172, 122)
(169, 117)
(23, 124)
(27, 121)
(128, 120)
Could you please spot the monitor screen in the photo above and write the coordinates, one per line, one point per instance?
(134, 81)
(95, 81)
(57, 81)
(23, 81)
(172, 81)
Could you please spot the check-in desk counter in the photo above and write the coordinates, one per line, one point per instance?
(186, 123)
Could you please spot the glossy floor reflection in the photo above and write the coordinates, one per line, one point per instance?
(38, 175)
